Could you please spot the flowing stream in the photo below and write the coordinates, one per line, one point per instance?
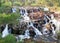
(5, 31)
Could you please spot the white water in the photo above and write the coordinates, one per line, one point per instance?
(52, 16)
(21, 12)
(57, 24)
(46, 9)
(5, 31)
(36, 30)
(44, 31)
(26, 19)
(26, 12)
(54, 33)
(13, 10)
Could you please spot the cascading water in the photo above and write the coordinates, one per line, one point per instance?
(5, 31)
(26, 18)
(36, 30)
(26, 12)
(13, 10)
(45, 31)
(54, 33)
(57, 26)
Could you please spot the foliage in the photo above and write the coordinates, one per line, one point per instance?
(9, 18)
(8, 39)
(7, 4)
(5, 9)
(29, 2)
(58, 35)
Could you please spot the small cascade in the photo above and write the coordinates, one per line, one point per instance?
(5, 31)
(13, 10)
(57, 25)
(45, 31)
(26, 12)
(46, 9)
(54, 33)
(52, 16)
(36, 30)
(26, 18)
(21, 12)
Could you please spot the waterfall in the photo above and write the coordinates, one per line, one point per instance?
(26, 12)
(54, 33)
(13, 10)
(36, 30)
(5, 31)
(26, 18)
(57, 24)
(52, 16)
(46, 9)
(21, 11)
(45, 31)
(27, 34)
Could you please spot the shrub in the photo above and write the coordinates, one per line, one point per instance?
(9, 18)
(5, 9)
(8, 39)
(7, 4)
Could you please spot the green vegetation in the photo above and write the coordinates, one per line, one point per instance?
(11, 39)
(8, 39)
(47, 3)
(58, 35)
(5, 9)
(9, 18)
(30, 2)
